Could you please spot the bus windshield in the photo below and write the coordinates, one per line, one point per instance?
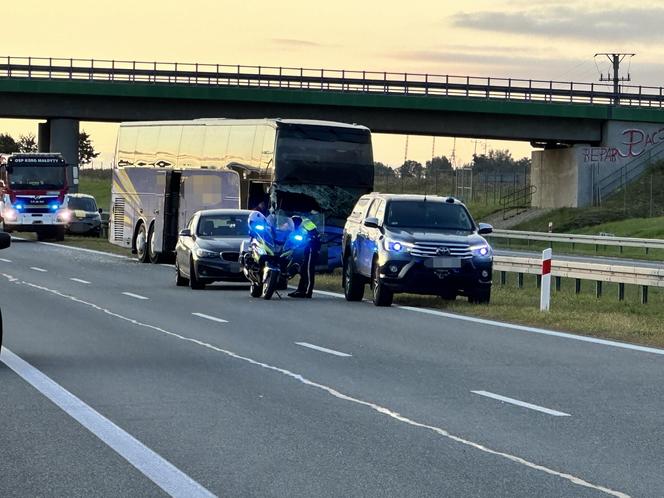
(324, 155)
(37, 177)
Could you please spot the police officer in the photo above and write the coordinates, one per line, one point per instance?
(308, 266)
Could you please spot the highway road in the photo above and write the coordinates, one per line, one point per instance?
(114, 382)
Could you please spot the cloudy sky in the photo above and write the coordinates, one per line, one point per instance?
(530, 39)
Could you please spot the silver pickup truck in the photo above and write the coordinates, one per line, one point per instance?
(416, 244)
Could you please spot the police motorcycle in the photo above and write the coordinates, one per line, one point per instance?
(267, 259)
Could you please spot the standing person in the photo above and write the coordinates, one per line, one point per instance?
(308, 228)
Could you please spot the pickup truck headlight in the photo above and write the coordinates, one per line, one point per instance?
(483, 250)
(204, 253)
(397, 245)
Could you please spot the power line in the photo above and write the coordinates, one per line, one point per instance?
(615, 59)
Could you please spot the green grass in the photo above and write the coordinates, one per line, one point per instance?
(606, 317)
(97, 184)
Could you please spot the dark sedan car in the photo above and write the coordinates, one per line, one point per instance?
(208, 249)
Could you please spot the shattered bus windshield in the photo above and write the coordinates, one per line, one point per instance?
(324, 155)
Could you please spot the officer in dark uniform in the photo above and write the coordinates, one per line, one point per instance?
(308, 266)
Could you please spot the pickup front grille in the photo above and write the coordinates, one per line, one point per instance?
(430, 249)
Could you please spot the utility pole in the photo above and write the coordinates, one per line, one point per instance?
(405, 153)
(615, 59)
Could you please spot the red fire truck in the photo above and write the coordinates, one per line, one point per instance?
(33, 187)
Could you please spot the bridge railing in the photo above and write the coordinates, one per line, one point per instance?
(327, 79)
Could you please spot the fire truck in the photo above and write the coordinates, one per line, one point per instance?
(32, 188)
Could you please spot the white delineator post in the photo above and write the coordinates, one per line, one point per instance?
(545, 296)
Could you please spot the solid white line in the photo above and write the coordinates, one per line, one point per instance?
(208, 317)
(324, 350)
(163, 473)
(521, 328)
(522, 403)
(83, 249)
(79, 280)
(137, 296)
(38, 269)
(339, 395)
(5, 260)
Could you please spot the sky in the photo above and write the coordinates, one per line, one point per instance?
(529, 39)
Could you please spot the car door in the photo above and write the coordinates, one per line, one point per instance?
(370, 236)
(184, 245)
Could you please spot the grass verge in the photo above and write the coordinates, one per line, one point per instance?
(605, 317)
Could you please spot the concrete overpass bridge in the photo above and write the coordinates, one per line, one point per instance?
(585, 129)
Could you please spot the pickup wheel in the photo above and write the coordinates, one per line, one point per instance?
(480, 296)
(382, 296)
(352, 282)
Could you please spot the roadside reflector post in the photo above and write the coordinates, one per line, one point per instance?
(644, 294)
(545, 290)
(598, 289)
(621, 292)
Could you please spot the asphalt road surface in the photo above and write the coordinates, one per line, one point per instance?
(115, 382)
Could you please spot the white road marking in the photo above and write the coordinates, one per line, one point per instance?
(5, 260)
(79, 280)
(163, 473)
(520, 328)
(36, 268)
(208, 317)
(339, 395)
(324, 350)
(136, 296)
(513, 401)
(83, 249)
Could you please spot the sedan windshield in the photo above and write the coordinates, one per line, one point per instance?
(223, 225)
(82, 203)
(428, 215)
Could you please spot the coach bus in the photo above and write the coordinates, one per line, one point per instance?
(318, 169)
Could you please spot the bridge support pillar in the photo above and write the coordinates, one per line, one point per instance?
(559, 179)
(44, 137)
(64, 139)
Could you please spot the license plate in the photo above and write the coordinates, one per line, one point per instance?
(444, 262)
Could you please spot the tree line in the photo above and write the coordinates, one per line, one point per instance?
(499, 161)
(28, 143)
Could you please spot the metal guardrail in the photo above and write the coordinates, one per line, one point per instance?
(340, 80)
(634, 275)
(579, 271)
(597, 240)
